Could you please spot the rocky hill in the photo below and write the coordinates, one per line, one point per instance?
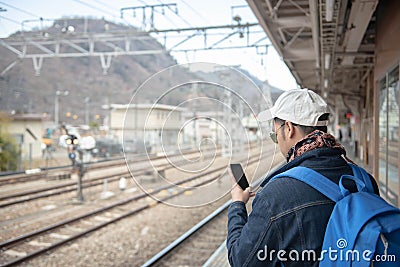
(22, 91)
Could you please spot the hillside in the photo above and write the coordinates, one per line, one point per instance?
(23, 92)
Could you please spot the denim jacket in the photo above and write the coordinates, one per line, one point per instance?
(287, 223)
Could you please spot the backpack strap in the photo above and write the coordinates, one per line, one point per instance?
(314, 179)
(325, 186)
(361, 174)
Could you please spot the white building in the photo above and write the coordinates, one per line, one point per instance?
(157, 124)
(203, 125)
(27, 130)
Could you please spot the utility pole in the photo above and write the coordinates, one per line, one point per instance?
(87, 100)
(57, 103)
(228, 136)
(78, 165)
(194, 107)
(240, 137)
(81, 172)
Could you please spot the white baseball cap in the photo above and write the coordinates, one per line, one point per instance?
(300, 106)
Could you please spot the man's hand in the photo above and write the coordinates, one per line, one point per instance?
(237, 193)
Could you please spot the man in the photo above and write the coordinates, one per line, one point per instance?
(288, 220)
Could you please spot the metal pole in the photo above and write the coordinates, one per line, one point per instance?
(56, 105)
(87, 99)
(20, 157)
(56, 108)
(80, 176)
(239, 138)
(30, 155)
(194, 129)
(228, 137)
(136, 121)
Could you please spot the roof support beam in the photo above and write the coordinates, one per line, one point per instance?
(288, 44)
(360, 15)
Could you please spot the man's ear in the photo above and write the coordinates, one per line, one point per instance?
(291, 129)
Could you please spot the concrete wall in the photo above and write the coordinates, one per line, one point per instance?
(387, 44)
(150, 122)
(18, 128)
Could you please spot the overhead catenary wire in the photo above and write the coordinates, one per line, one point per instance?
(14, 21)
(179, 16)
(194, 10)
(104, 11)
(20, 10)
(106, 5)
(172, 22)
(96, 8)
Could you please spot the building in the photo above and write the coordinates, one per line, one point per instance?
(27, 130)
(155, 124)
(203, 125)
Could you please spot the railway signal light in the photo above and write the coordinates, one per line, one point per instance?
(72, 156)
(72, 143)
(348, 115)
(72, 140)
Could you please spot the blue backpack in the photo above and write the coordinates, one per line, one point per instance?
(363, 230)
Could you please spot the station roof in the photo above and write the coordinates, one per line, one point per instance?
(328, 45)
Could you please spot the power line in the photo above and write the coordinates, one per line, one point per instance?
(105, 5)
(179, 16)
(95, 8)
(194, 10)
(103, 11)
(16, 22)
(20, 10)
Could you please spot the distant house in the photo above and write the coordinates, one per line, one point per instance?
(203, 125)
(156, 124)
(27, 130)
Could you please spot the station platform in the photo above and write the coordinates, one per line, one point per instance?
(219, 258)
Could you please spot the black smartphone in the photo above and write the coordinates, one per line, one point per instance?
(239, 175)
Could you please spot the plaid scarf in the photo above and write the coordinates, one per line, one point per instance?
(316, 139)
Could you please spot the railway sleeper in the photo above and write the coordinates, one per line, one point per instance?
(59, 176)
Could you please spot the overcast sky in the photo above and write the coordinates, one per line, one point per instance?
(16, 14)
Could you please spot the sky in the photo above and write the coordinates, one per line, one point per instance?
(25, 14)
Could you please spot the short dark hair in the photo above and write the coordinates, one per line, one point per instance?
(309, 129)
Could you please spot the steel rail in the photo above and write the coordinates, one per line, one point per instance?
(94, 228)
(3, 175)
(15, 240)
(168, 249)
(160, 255)
(73, 185)
(127, 214)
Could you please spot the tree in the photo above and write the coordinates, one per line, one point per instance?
(9, 151)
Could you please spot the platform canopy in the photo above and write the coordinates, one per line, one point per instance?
(328, 45)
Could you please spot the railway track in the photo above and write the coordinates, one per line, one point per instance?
(195, 246)
(44, 173)
(66, 187)
(35, 243)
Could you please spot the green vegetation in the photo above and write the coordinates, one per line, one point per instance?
(8, 148)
